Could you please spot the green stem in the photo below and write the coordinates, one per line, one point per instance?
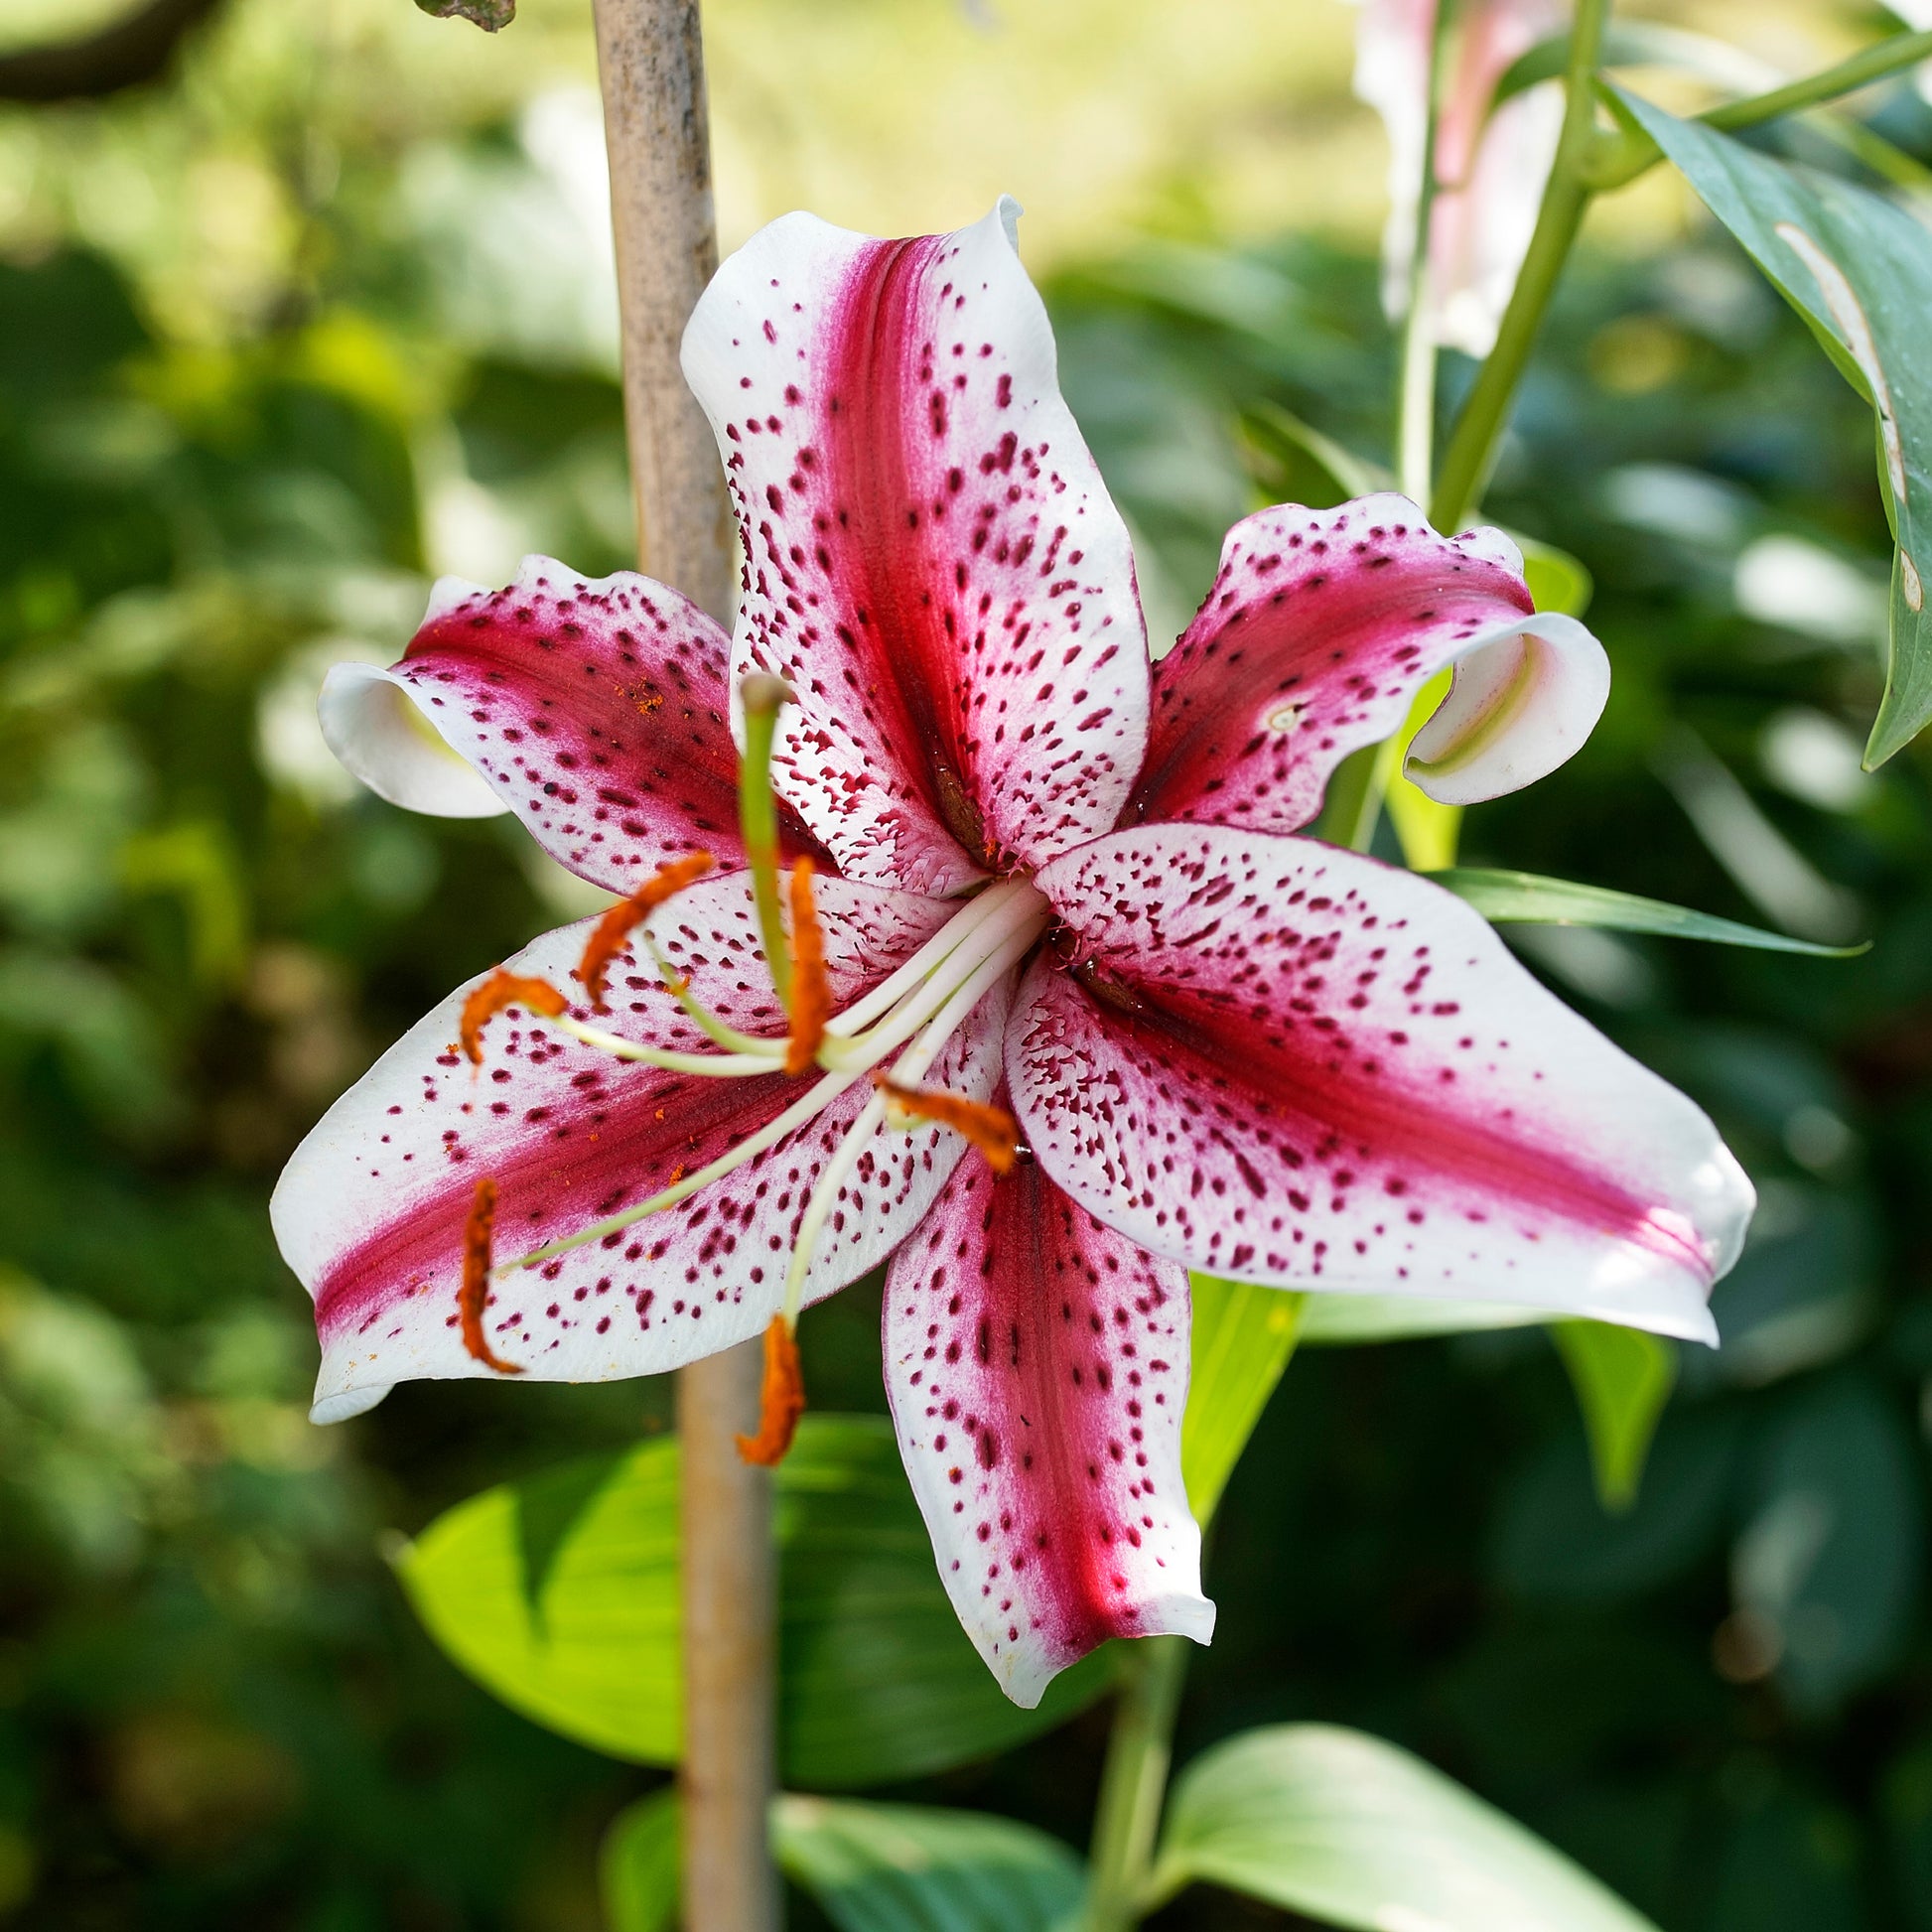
(1465, 462)
(1134, 1784)
(1415, 454)
(757, 815)
(1621, 158)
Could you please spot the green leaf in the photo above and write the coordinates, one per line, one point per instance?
(868, 1867)
(1859, 272)
(1349, 1830)
(1557, 580)
(1345, 1320)
(916, 1869)
(1623, 1377)
(558, 1593)
(1243, 1336)
(641, 1867)
(1521, 897)
(1294, 463)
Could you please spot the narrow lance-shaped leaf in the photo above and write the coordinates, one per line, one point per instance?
(1524, 898)
(1349, 1830)
(1623, 1378)
(1859, 272)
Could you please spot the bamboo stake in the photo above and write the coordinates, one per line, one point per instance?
(651, 58)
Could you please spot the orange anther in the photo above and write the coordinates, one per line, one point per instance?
(498, 991)
(608, 936)
(474, 1295)
(811, 991)
(781, 1398)
(992, 1129)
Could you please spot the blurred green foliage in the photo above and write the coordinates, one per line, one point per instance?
(216, 1708)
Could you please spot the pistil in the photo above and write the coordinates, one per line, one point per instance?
(474, 1295)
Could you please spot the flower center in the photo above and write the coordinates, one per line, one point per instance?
(912, 1015)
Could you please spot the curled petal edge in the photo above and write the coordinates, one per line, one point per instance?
(1522, 700)
(383, 735)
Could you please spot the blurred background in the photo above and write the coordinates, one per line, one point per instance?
(325, 308)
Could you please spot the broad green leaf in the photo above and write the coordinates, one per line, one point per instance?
(1623, 1377)
(1349, 1830)
(640, 1868)
(916, 1869)
(1343, 1321)
(1521, 897)
(1859, 272)
(868, 1867)
(558, 1593)
(1243, 1336)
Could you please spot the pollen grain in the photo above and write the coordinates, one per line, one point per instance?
(608, 936)
(781, 1398)
(503, 989)
(474, 1295)
(812, 990)
(992, 1129)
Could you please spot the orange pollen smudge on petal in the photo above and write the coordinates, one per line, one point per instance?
(811, 991)
(503, 989)
(781, 1398)
(474, 1295)
(608, 936)
(992, 1129)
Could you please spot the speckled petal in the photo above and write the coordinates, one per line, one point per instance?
(1037, 1368)
(932, 559)
(1316, 634)
(370, 1210)
(595, 711)
(1281, 1063)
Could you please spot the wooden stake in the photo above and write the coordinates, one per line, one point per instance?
(651, 58)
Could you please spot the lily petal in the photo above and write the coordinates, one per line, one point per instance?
(1281, 1063)
(1038, 1369)
(597, 711)
(370, 1210)
(1318, 632)
(932, 561)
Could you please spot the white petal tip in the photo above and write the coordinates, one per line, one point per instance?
(345, 1404)
(450, 592)
(372, 722)
(1525, 697)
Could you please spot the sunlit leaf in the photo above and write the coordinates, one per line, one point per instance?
(868, 1867)
(1859, 272)
(1340, 1320)
(1557, 580)
(1521, 897)
(1623, 1377)
(558, 1593)
(1243, 1336)
(1349, 1830)
(640, 1869)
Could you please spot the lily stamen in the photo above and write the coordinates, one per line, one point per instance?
(608, 936)
(812, 990)
(781, 1397)
(991, 1129)
(503, 989)
(472, 1296)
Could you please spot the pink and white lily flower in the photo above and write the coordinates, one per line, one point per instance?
(1490, 164)
(1057, 886)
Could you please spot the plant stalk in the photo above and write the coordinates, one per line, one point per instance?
(1134, 1783)
(1414, 439)
(1479, 427)
(650, 63)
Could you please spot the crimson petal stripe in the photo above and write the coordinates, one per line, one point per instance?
(1037, 1368)
(1281, 1063)
(597, 709)
(1320, 628)
(932, 559)
(369, 1211)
